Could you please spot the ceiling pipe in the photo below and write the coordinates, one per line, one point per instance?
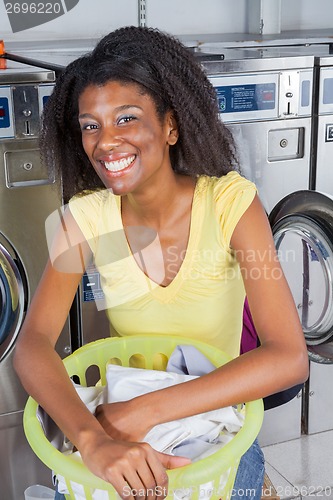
(142, 19)
(264, 16)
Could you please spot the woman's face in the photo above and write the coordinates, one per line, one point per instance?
(125, 140)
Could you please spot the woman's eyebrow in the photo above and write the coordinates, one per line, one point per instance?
(119, 109)
(125, 107)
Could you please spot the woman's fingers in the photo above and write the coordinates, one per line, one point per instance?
(121, 486)
(134, 469)
(147, 478)
(171, 461)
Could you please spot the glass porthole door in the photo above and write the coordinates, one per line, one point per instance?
(303, 236)
(12, 297)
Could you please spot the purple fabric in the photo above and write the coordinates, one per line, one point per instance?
(250, 341)
(249, 338)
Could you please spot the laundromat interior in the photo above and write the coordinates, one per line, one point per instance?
(271, 63)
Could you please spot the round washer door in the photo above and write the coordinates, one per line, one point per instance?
(12, 296)
(302, 225)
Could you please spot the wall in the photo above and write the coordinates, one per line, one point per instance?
(306, 14)
(92, 18)
(196, 16)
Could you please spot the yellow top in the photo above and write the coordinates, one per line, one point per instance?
(205, 299)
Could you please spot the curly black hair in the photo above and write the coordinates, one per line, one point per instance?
(166, 71)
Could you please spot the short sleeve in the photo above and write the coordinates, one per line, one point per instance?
(85, 209)
(233, 194)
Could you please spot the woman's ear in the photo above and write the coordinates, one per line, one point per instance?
(172, 128)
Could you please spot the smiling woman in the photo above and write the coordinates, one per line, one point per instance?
(179, 238)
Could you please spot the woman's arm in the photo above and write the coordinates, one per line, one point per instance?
(280, 362)
(43, 375)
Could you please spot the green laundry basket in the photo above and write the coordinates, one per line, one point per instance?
(217, 470)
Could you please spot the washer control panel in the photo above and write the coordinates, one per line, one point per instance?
(264, 95)
(6, 113)
(20, 108)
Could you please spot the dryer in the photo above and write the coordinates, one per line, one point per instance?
(28, 194)
(319, 408)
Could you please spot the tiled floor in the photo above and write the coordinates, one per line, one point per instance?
(302, 468)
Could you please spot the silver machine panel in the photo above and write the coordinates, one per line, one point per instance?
(268, 111)
(29, 192)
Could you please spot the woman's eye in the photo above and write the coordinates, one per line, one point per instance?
(89, 126)
(125, 119)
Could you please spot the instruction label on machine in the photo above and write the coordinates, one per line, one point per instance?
(91, 286)
(243, 98)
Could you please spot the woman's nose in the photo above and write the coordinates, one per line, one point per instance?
(108, 139)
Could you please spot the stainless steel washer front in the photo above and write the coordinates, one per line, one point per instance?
(29, 192)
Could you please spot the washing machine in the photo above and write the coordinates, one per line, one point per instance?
(88, 319)
(284, 136)
(319, 408)
(29, 192)
(87, 316)
(265, 98)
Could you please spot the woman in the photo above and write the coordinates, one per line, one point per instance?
(139, 117)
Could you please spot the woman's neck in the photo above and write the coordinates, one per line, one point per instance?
(159, 205)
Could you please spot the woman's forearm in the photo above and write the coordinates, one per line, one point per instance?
(249, 377)
(44, 377)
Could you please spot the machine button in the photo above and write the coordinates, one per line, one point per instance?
(329, 133)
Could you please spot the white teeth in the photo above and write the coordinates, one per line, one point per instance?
(115, 166)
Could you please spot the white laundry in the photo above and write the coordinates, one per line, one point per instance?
(186, 359)
(194, 437)
(127, 383)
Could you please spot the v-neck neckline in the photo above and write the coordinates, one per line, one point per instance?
(165, 292)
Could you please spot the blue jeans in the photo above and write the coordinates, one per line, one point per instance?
(249, 478)
(59, 496)
(250, 475)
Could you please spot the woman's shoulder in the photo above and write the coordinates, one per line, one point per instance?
(228, 198)
(89, 205)
(227, 185)
(91, 196)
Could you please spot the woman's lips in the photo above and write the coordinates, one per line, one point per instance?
(118, 165)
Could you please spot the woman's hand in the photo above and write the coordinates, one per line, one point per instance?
(122, 421)
(134, 469)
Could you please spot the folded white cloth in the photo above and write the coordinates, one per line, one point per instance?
(194, 437)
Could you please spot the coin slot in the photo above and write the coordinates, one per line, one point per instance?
(27, 127)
